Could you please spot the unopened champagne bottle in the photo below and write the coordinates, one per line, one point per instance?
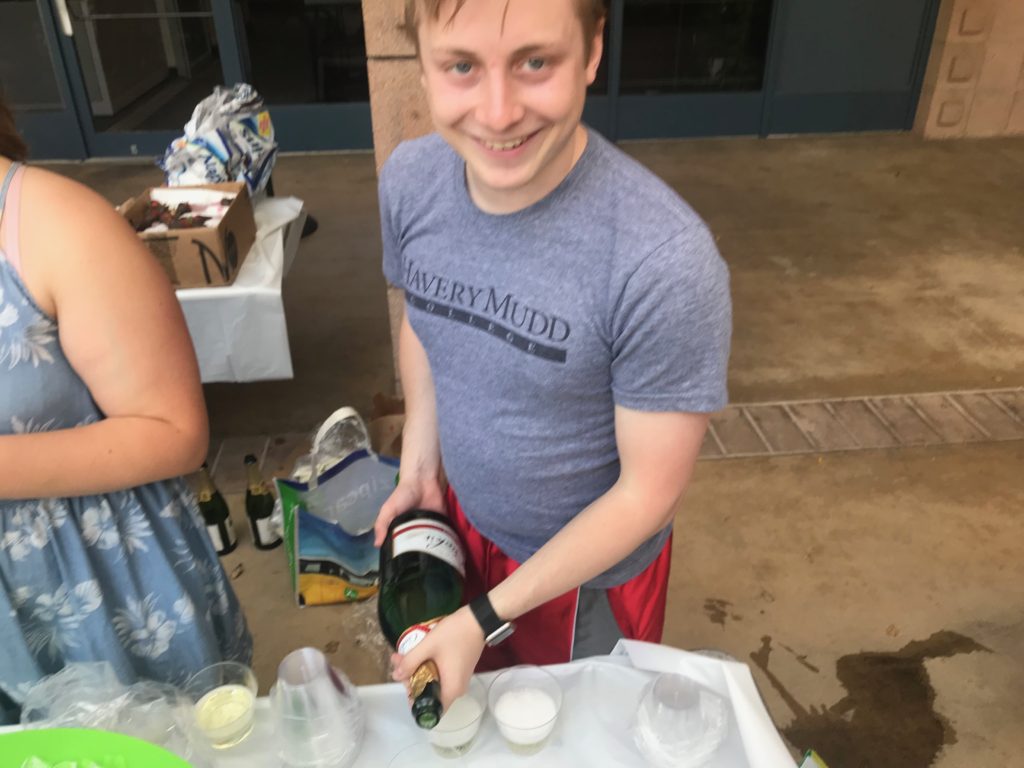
(422, 568)
(215, 514)
(259, 506)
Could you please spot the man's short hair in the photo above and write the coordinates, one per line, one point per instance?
(590, 13)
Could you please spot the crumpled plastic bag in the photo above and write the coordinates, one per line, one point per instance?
(230, 137)
(90, 695)
(327, 511)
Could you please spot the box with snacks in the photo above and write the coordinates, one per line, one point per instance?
(200, 235)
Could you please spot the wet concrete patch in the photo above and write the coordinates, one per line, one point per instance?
(717, 610)
(887, 717)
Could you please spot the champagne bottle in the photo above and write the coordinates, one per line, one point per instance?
(259, 506)
(422, 569)
(215, 514)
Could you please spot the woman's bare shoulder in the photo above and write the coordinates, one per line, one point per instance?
(47, 192)
(63, 216)
(71, 237)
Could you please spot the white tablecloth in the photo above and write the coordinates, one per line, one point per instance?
(239, 330)
(600, 704)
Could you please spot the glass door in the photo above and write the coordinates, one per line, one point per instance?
(33, 81)
(122, 77)
(689, 67)
(308, 60)
(137, 68)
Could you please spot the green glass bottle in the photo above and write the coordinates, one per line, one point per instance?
(215, 514)
(259, 506)
(422, 571)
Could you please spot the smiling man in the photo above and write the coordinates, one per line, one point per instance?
(566, 335)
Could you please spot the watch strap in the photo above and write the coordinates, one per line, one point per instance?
(495, 628)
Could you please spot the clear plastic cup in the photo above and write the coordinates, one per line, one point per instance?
(525, 702)
(679, 723)
(224, 702)
(319, 716)
(455, 733)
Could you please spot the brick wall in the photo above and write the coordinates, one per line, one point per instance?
(974, 84)
(397, 104)
(398, 107)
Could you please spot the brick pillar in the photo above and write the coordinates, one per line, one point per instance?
(398, 106)
(974, 84)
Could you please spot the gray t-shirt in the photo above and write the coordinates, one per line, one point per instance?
(609, 291)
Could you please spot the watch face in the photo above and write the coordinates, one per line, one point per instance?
(501, 633)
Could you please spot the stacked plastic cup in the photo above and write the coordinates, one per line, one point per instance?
(319, 716)
(679, 723)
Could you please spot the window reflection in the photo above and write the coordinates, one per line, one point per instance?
(306, 51)
(686, 46)
(145, 63)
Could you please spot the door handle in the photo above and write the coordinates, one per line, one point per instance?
(65, 17)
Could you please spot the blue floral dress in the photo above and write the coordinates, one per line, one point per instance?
(128, 577)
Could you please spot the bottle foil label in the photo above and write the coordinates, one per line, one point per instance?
(413, 635)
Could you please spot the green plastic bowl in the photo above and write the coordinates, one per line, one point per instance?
(105, 749)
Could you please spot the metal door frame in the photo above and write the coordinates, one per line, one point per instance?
(53, 133)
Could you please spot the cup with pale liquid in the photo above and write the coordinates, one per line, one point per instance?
(525, 702)
(457, 729)
(224, 702)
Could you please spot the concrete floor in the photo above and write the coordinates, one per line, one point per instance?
(877, 595)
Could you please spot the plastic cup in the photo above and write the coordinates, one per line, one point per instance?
(679, 723)
(318, 713)
(525, 702)
(455, 733)
(224, 702)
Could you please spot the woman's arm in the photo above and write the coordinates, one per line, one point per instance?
(122, 330)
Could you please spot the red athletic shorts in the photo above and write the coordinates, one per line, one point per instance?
(545, 634)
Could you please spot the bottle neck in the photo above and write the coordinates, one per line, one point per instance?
(257, 486)
(206, 487)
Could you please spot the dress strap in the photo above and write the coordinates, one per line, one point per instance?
(10, 203)
(7, 185)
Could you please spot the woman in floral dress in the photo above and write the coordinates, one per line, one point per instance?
(102, 553)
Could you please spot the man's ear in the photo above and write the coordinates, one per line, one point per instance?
(596, 51)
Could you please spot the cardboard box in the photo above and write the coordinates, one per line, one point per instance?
(200, 257)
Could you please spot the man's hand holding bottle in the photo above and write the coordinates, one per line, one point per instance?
(410, 493)
(454, 645)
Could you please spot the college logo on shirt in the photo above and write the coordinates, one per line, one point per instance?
(500, 314)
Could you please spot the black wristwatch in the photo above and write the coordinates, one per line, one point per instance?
(495, 630)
